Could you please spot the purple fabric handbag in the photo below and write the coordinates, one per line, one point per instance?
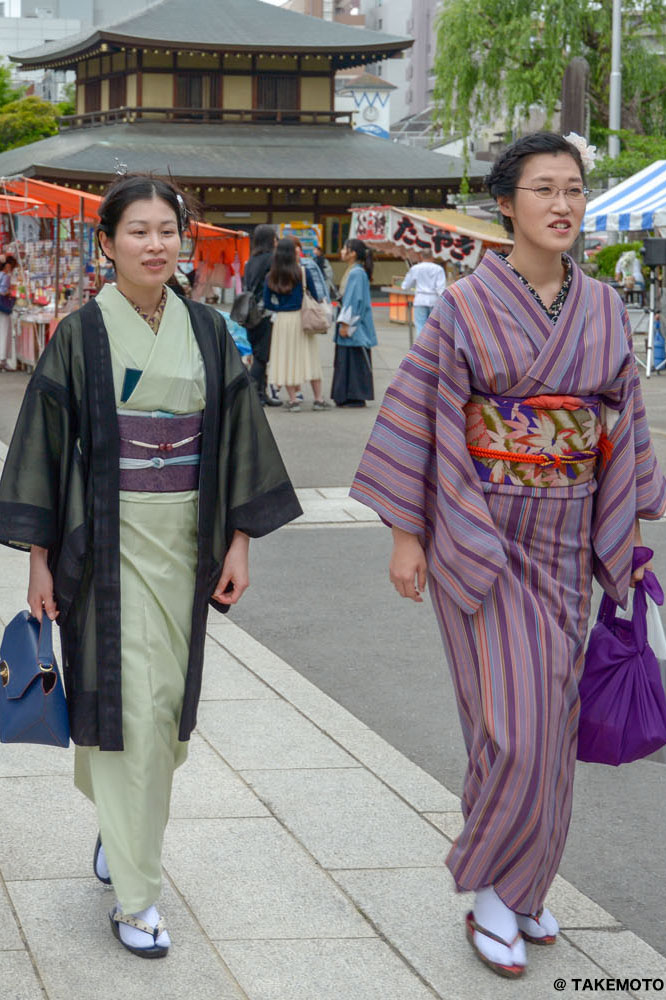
(622, 700)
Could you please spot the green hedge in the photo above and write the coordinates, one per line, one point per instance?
(607, 258)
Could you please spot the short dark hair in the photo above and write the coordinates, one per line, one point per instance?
(11, 260)
(363, 255)
(139, 187)
(508, 167)
(285, 272)
(263, 239)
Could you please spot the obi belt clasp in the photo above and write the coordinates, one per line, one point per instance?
(160, 452)
(541, 441)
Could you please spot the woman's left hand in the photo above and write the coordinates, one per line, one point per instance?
(235, 571)
(343, 329)
(639, 573)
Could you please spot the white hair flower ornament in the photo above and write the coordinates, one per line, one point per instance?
(588, 154)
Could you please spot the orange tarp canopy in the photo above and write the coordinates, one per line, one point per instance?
(214, 244)
(56, 195)
(9, 205)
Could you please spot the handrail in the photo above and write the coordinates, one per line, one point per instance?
(207, 116)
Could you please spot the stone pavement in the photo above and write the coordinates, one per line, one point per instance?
(304, 859)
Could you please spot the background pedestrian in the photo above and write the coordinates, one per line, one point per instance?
(264, 242)
(5, 317)
(294, 356)
(355, 333)
(429, 281)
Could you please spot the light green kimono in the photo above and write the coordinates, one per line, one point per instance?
(158, 553)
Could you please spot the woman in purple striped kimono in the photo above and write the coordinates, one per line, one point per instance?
(511, 458)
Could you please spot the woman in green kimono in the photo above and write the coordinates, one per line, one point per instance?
(141, 465)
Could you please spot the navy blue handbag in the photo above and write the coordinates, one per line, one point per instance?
(33, 708)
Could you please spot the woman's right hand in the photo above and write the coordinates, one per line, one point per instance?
(343, 329)
(40, 587)
(407, 569)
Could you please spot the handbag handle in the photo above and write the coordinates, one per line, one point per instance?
(45, 644)
(608, 608)
(648, 585)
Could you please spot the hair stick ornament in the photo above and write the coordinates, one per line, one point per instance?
(184, 214)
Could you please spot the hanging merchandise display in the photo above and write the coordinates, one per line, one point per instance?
(50, 229)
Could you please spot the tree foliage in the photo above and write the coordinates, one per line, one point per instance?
(68, 106)
(26, 120)
(8, 92)
(496, 59)
(608, 257)
(636, 152)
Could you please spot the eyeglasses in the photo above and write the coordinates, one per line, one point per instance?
(549, 191)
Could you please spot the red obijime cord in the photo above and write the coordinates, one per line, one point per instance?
(604, 450)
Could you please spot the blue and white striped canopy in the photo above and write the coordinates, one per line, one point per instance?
(635, 204)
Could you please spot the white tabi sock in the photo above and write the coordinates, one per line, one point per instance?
(139, 939)
(545, 926)
(492, 914)
(101, 866)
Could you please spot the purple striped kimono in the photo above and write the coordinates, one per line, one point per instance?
(511, 566)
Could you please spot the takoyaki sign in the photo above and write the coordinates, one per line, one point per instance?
(407, 235)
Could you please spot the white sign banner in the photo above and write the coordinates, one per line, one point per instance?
(408, 233)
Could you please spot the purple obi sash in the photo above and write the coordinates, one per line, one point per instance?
(159, 452)
(542, 441)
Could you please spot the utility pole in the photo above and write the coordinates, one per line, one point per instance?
(615, 95)
(615, 100)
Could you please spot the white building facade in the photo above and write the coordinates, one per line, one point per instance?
(413, 75)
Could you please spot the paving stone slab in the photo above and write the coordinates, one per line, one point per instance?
(574, 909)
(410, 781)
(320, 708)
(30, 760)
(17, 977)
(349, 819)
(267, 734)
(48, 828)
(334, 492)
(79, 959)
(248, 878)
(449, 822)
(10, 939)
(321, 970)
(205, 787)
(322, 512)
(420, 914)
(623, 955)
(225, 679)
(360, 512)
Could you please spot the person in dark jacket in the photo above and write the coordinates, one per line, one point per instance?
(264, 242)
(140, 466)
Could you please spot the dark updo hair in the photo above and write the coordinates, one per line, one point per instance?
(139, 187)
(263, 239)
(363, 255)
(508, 167)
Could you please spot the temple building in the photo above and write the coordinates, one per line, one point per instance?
(236, 100)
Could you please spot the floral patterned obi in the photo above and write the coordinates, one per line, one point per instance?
(539, 441)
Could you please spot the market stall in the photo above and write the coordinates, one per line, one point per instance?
(51, 230)
(451, 236)
(455, 239)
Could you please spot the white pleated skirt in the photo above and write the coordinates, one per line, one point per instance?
(294, 355)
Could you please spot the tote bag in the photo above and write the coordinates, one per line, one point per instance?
(622, 700)
(315, 316)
